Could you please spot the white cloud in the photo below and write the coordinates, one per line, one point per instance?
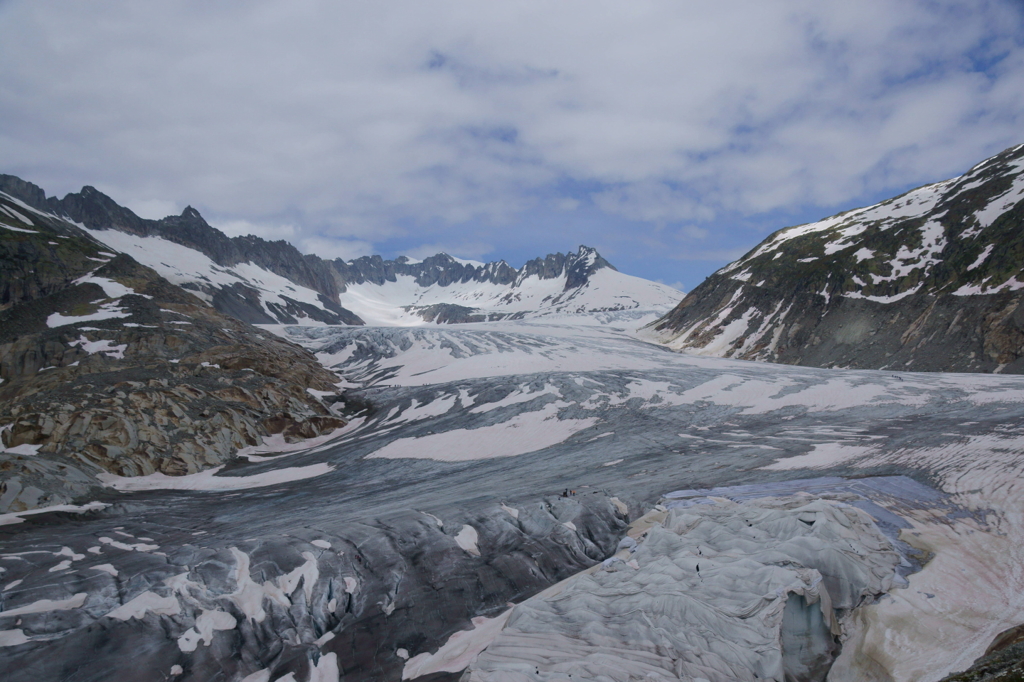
(446, 122)
(466, 250)
(331, 248)
(675, 285)
(271, 231)
(154, 209)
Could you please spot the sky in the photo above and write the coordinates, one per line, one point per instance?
(672, 136)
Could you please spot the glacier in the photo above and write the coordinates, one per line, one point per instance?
(440, 504)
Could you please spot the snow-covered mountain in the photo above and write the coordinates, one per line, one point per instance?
(929, 280)
(264, 282)
(581, 286)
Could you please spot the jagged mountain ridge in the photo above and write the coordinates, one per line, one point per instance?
(443, 289)
(265, 282)
(315, 299)
(930, 280)
(445, 270)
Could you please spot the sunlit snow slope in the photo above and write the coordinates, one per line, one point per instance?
(271, 297)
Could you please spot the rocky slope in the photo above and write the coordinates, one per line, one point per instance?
(931, 280)
(107, 368)
(263, 282)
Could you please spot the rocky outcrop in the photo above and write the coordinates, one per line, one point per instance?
(931, 280)
(1003, 662)
(981, 333)
(108, 368)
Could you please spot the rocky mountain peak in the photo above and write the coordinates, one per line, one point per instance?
(31, 194)
(192, 214)
(96, 211)
(581, 265)
(577, 267)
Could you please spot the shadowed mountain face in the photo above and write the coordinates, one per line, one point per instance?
(931, 280)
(189, 232)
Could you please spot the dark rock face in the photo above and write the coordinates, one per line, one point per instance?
(1003, 662)
(448, 313)
(31, 268)
(980, 333)
(32, 195)
(930, 280)
(578, 267)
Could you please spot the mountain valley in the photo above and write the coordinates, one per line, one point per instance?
(225, 460)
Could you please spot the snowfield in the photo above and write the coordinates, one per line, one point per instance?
(184, 266)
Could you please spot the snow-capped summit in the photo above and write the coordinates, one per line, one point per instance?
(582, 285)
(929, 280)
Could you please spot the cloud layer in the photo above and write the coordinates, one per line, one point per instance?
(659, 131)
